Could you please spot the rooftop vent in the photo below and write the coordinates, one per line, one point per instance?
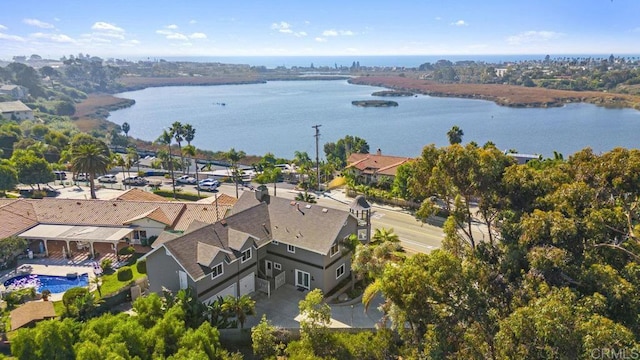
(308, 206)
(325, 210)
(223, 222)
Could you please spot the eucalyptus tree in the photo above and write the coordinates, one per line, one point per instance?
(177, 132)
(89, 155)
(31, 168)
(165, 139)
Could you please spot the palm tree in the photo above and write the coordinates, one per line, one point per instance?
(191, 151)
(240, 307)
(165, 139)
(383, 235)
(234, 156)
(269, 175)
(134, 157)
(90, 156)
(177, 132)
(189, 135)
(455, 135)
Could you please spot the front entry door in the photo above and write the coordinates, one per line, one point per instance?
(268, 268)
(302, 279)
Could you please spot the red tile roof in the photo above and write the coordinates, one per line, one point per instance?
(376, 164)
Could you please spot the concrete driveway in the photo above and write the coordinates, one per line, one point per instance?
(282, 310)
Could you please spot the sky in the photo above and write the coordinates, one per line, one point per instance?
(143, 28)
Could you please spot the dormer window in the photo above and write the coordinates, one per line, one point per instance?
(334, 249)
(246, 255)
(275, 242)
(216, 271)
(291, 249)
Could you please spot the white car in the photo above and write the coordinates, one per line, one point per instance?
(109, 178)
(208, 185)
(186, 179)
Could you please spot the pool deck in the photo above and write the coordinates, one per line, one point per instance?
(43, 268)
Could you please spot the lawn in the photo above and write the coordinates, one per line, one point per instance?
(111, 284)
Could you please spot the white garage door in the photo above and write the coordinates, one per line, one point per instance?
(248, 284)
(230, 290)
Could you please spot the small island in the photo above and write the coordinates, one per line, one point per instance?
(392, 93)
(374, 103)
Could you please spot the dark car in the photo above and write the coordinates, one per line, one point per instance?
(60, 175)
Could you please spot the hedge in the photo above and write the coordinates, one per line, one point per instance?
(179, 195)
(125, 274)
(141, 266)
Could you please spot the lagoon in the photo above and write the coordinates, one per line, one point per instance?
(278, 117)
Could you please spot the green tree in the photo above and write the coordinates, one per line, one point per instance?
(165, 139)
(269, 175)
(177, 132)
(31, 168)
(234, 157)
(11, 247)
(8, 177)
(263, 339)
(125, 128)
(91, 156)
(455, 135)
(339, 151)
(240, 307)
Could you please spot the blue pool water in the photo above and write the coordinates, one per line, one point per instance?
(55, 284)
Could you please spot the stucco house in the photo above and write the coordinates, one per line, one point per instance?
(264, 243)
(16, 92)
(369, 168)
(15, 110)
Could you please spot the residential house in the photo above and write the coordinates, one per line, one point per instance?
(15, 110)
(264, 243)
(16, 92)
(371, 168)
(85, 223)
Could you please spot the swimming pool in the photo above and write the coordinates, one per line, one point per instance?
(55, 284)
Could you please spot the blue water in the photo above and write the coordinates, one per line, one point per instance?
(278, 117)
(55, 284)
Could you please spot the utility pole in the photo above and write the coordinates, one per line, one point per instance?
(317, 136)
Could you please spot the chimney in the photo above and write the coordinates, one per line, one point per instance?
(262, 193)
(379, 152)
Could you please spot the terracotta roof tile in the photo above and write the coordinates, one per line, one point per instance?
(376, 164)
(135, 194)
(32, 311)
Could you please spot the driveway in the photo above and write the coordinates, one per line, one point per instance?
(282, 310)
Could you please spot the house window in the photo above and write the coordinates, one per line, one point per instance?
(246, 255)
(339, 271)
(277, 266)
(275, 242)
(334, 249)
(216, 271)
(291, 249)
(139, 234)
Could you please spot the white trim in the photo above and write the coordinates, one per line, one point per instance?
(291, 249)
(343, 271)
(308, 287)
(277, 266)
(214, 268)
(275, 242)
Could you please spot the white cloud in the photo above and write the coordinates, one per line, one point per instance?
(2, 27)
(459, 23)
(130, 43)
(532, 36)
(61, 38)
(333, 32)
(198, 35)
(282, 27)
(172, 26)
(11, 37)
(104, 26)
(164, 32)
(319, 39)
(38, 23)
(177, 36)
(285, 28)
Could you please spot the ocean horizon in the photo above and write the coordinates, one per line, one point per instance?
(408, 61)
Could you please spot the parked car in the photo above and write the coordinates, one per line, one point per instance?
(81, 177)
(186, 179)
(60, 175)
(135, 180)
(108, 178)
(204, 181)
(209, 185)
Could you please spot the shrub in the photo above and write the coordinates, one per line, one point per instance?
(141, 266)
(125, 274)
(72, 294)
(127, 250)
(106, 265)
(151, 239)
